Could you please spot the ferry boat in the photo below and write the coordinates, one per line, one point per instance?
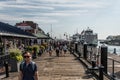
(87, 36)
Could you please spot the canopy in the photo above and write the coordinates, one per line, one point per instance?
(9, 30)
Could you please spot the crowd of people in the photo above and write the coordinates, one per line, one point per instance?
(28, 68)
(60, 48)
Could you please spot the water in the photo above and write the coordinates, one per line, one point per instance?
(111, 48)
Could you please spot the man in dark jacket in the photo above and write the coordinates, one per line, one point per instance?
(28, 68)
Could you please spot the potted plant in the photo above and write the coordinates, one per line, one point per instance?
(29, 49)
(35, 51)
(15, 59)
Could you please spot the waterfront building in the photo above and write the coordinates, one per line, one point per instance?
(33, 28)
(13, 37)
(29, 26)
(113, 40)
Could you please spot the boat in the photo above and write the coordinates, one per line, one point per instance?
(86, 37)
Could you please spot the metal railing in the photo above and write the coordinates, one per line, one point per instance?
(4, 61)
(93, 57)
(113, 68)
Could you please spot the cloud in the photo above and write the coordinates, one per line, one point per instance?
(55, 13)
(56, 1)
(9, 18)
(66, 13)
(31, 7)
(83, 5)
(24, 6)
(72, 3)
(6, 0)
(46, 10)
(49, 9)
(49, 4)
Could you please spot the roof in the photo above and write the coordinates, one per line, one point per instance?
(41, 36)
(23, 24)
(29, 23)
(9, 30)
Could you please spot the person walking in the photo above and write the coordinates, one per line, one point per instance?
(65, 49)
(60, 47)
(57, 51)
(50, 50)
(28, 68)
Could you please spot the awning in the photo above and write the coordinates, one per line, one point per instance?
(16, 35)
(9, 30)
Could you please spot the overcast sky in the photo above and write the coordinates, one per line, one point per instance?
(65, 16)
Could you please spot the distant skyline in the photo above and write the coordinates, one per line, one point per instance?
(65, 16)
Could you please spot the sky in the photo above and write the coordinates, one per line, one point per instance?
(59, 17)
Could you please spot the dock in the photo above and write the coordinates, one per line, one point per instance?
(64, 67)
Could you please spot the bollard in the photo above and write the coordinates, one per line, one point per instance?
(6, 68)
(104, 58)
(85, 51)
(93, 63)
(114, 51)
(101, 72)
(76, 47)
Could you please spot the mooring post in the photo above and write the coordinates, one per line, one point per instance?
(85, 51)
(101, 73)
(104, 55)
(6, 68)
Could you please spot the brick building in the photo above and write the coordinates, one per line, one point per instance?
(31, 27)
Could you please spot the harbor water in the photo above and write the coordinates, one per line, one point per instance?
(112, 48)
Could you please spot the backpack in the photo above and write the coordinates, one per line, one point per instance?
(22, 65)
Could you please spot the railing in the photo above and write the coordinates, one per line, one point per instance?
(114, 68)
(4, 58)
(95, 57)
(4, 61)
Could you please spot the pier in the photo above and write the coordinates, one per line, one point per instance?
(84, 60)
(65, 67)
